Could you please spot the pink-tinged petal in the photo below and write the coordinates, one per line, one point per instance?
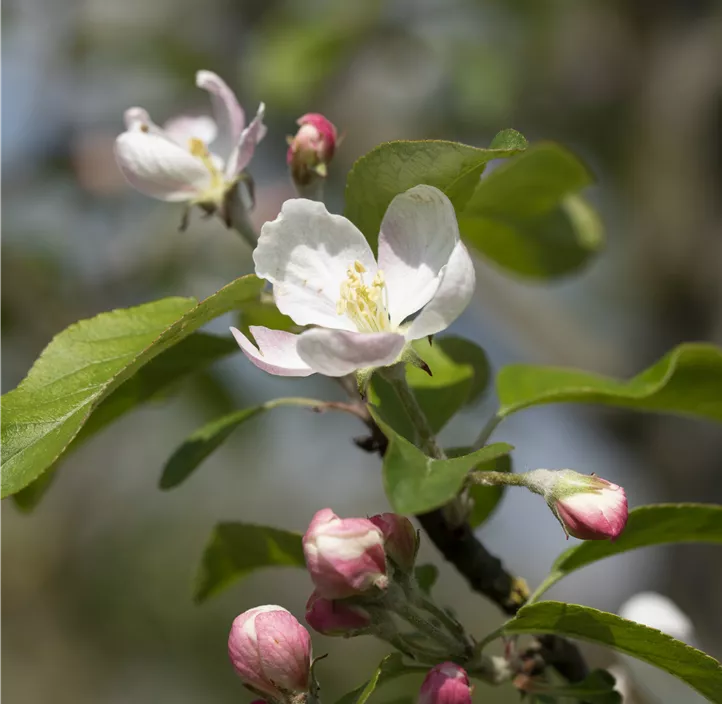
(418, 235)
(243, 152)
(276, 352)
(597, 515)
(339, 352)
(156, 166)
(451, 298)
(226, 110)
(285, 649)
(183, 128)
(305, 253)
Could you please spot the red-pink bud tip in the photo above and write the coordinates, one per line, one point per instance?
(312, 148)
(335, 617)
(400, 538)
(446, 683)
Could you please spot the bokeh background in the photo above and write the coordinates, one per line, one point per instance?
(96, 591)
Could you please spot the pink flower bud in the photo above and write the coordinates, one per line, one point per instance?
(445, 684)
(587, 506)
(344, 556)
(336, 618)
(271, 651)
(401, 541)
(311, 150)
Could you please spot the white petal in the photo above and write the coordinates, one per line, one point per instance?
(339, 352)
(158, 167)
(138, 119)
(183, 128)
(305, 253)
(243, 151)
(226, 110)
(451, 298)
(418, 234)
(276, 352)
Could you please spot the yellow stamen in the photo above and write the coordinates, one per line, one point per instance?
(364, 305)
(216, 189)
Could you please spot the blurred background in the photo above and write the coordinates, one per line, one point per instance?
(97, 581)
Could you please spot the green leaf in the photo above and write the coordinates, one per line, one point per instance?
(237, 549)
(686, 381)
(698, 670)
(84, 364)
(658, 524)
(487, 498)
(394, 167)
(459, 375)
(509, 139)
(150, 383)
(391, 667)
(200, 444)
(263, 311)
(526, 215)
(426, 576)
(416, 483)
(596, 688)
(203, 441)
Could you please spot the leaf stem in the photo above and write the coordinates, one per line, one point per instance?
(497, 479)
(486, 431)
(396, 376)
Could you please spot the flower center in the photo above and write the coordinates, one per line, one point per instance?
(217, 185)
(366, 306)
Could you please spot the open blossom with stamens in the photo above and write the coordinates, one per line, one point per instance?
(324, 274)
(193, 159)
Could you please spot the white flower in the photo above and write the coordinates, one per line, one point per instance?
(175, 162)
(324, 274)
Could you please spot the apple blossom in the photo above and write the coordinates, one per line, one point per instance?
(446, 683)
(587, 506)
(271, 652)
(175, 162)
(312, 149)
(401, 541)
(324, 274)
(344, 556)
(335, 617)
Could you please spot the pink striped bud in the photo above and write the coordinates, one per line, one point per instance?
(587, 506)
(312, 149)
(401, 541)
(344, 556)
(336, 618)
(271, 652)
(445, 684)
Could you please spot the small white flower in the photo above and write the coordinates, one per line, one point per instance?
(324, 274)
(176, 163)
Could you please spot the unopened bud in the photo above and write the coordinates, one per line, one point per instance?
(334, 617)
(587, 506)
(311, 150)
(271, 652)
(401, 541)
(445, 684)
(344, 556)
